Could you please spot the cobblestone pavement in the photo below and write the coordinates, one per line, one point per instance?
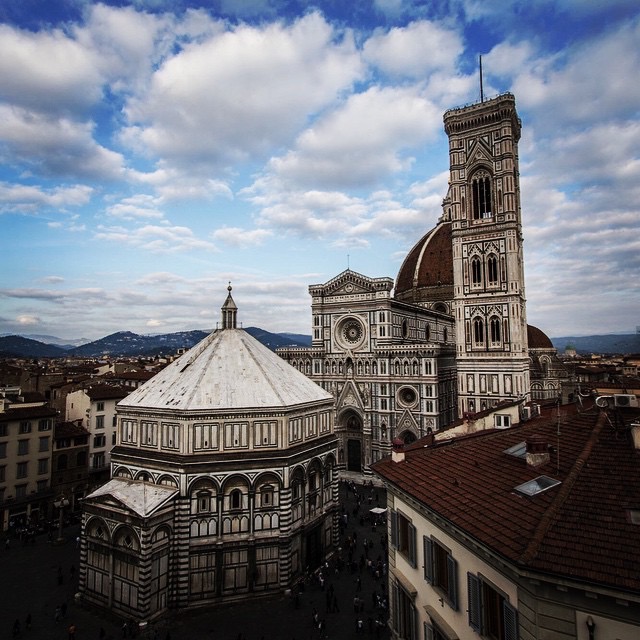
(29, 585)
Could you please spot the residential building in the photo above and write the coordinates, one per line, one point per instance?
(527, 532)
(26, 428)
(224, 482)
(70, 470)
(94, 407)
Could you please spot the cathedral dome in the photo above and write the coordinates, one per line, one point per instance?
(426, 275)
(538, 339)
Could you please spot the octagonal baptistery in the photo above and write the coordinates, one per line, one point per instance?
(223, 484)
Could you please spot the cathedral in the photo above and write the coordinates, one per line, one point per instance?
(224, 482)
(449, 337)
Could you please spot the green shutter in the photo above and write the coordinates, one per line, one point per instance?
(428, 559)
(510, 621)
(452, 570)
(475, 611)
(412, 545)
(394, 529)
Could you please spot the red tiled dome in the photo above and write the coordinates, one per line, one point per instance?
(538, 339)
(427, 271)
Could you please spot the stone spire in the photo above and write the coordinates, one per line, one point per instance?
(229, 312)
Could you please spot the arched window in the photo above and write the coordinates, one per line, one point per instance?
(478, 331)
(235, 499)
(481, 191)
(492, 269)
(494, 329)
(476, 271)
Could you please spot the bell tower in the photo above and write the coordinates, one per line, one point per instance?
(483, 207)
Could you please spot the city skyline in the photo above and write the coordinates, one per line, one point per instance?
(155, 151)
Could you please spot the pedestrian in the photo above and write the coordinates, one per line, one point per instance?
(72, 632)
(102, 633)
(57, 615)
(16, 629)
(27, 622)
(6, 544)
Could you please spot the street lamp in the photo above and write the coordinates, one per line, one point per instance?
(60, 503)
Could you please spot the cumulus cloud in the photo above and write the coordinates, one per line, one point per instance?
(239, 92)
(415, 50)
(236, 237)
(24, 198)
(154, 238)
(56, 146)
(362, 142)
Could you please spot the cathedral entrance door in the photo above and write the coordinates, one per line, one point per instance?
(354, 455)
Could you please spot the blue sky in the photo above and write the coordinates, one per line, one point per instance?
(153, 151)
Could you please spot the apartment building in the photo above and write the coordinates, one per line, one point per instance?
(94, 407)
(26, 425)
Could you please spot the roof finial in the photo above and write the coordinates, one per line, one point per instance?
(481, 88)
(229, 311)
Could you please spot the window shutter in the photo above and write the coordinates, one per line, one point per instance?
(510, 621)
(395, 603)
(428, 559)
(394, 529)
(475, 611)
(452, 570)
(412, 545)
(428, 631)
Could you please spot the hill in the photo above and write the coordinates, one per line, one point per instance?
(608, 343)
(126, 343)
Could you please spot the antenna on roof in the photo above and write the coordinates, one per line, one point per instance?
(481, 89)
(347, 262)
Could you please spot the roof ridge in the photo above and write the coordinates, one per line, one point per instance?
(567, 485)
(258, 364)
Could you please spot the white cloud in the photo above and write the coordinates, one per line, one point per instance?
(136, 207)
(415, 50)
(237, 93)
(56, 146)
(236, 237)
(154, 238)
(27, 321)
(362, 142)
(30, 199)
(47, 72)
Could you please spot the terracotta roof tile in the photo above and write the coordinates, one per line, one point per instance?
(579, 528)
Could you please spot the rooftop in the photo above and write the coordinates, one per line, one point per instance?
(579, 528)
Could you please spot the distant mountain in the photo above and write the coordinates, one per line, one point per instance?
(126, 343)
(608, 343)
(20, 347)
(277, 340)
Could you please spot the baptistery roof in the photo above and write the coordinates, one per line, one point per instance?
(228, 370)
(426, 275)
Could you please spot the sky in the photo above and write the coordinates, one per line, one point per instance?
(153, 151)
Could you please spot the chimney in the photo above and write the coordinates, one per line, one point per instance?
(537, 451)
(397, 452)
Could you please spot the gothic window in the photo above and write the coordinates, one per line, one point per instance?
(478, 331)
(492, 270)
(481, 191)
(494, 329)
(476, 271)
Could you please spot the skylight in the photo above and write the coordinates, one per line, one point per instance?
(537, 485)
(518, 450)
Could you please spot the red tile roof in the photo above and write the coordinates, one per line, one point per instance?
(579, 529)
